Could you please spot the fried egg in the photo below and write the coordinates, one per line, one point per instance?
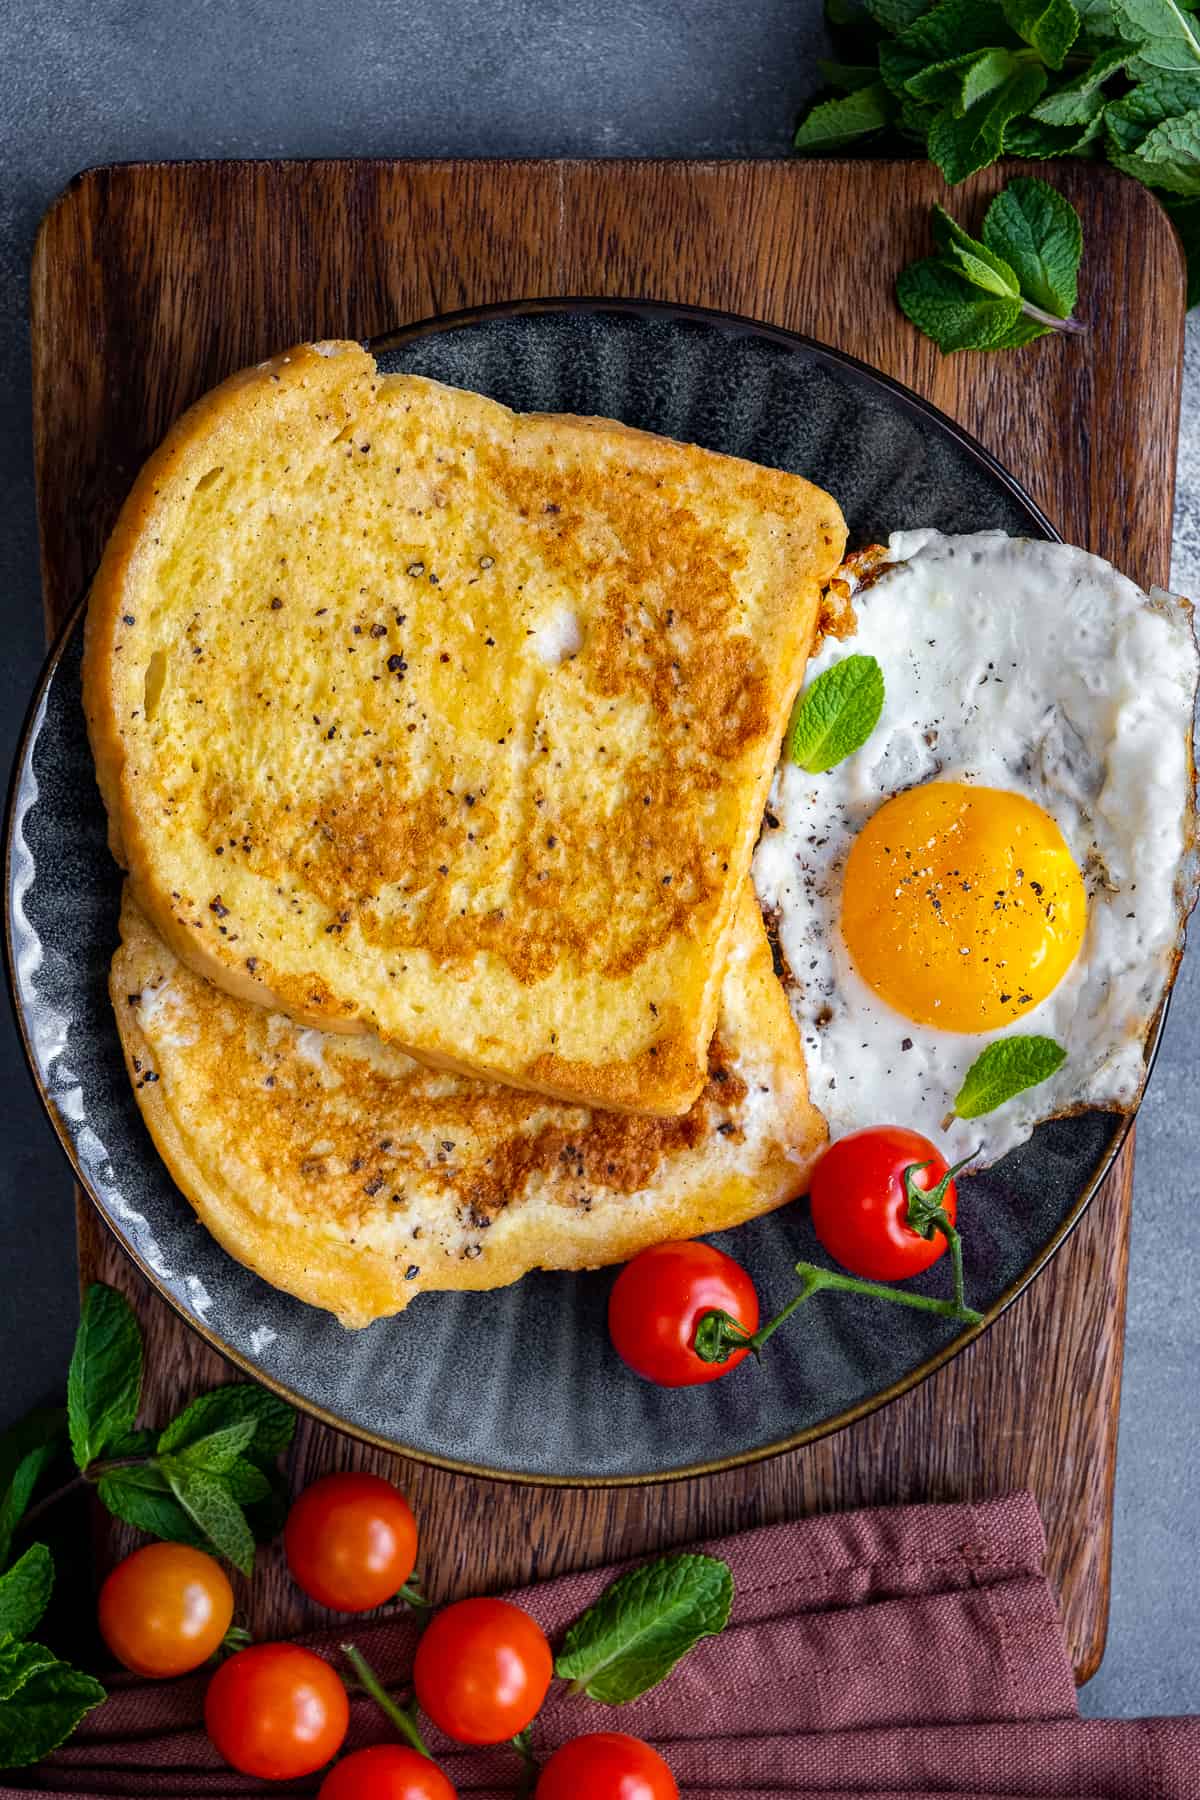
(1012, 851)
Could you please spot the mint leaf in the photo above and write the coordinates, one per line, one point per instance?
(274, 1420)
(1006, 1067)
(1038, 233)
(981, 266)
(1165, 35)
(150, 1510)
(642, 1624)
(25, 1591)
(44, 1425)
(1167, 157)
(836, 714)
(1160, 93)
(898, 67)
(219, 1450)
(1032, 137)
(835, 123)
(207, 1501)
(963, 80)
(957, 316)
(19, 1663)
(916, 119)
(953, 27)
(44, 1709)
(1074, 103)
(961, 146)
(247, 1484)
(1097, 21)
(104, 1381)
(894, 15)
(19, 1492)
(1049, 26)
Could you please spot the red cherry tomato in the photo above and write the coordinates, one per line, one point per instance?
(351, 1541)
(859, 1204)
(481, 1670)
(658, 1300)
(276, 1711)
(386, 1772)
(606, 1765)
(165, 1609)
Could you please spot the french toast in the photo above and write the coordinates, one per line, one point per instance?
(355, 1178)
(419, 717)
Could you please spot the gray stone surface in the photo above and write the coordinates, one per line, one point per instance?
(86, 83)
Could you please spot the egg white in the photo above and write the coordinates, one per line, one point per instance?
(1014, 664)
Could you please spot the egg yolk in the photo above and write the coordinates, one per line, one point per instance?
(962, 906)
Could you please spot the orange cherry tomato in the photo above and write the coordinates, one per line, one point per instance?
(276, 1711)
(386, 1772)
(351, 1541)
(659, 1299)
(165, 1609)
(606, 1765)
(481, 1670)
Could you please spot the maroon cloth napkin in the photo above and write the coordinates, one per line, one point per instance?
(897, 1653)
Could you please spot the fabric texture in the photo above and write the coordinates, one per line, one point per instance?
(898, 1653)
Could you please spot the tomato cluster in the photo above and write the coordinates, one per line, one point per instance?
(280, 1712)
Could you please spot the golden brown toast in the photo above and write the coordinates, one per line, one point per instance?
(355, 1178)
(417, 716)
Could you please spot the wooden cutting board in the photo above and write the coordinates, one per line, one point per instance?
(150, 283)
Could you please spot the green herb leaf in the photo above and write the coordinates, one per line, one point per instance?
(961, 146)
(642, 1624)
(213, 1510)
(19, 1663)
(1097, 21)
(274, 1420)
(44, 1425)
(836, 714)
(1038, 233)
(1074, 103)
(248, 1485)
(953, 27)
(982, 267)
(1167, 157)
(219, 1450)
(916, 119)
(848, 78)
(104, 1382)
(267, 1516)
(150, 1510)
(895, 15)
(1049, 26)
(19, 1492)
(898, 67)
(25, 1591)
(1160, 93)
(835, 123)
(957, 316)
(1165, 35)
(1032, 137)
(1006, 1067)
(963, 80)
(44, 1709)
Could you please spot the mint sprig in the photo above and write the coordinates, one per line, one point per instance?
(1015, 283)
(1006, 1068)
(643, 1623)
(836, 714)
(970, 81)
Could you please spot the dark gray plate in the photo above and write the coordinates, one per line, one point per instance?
(521, 1382)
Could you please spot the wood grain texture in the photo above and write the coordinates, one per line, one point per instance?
(150, 283)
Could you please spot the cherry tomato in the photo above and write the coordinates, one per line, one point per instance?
(165, 1609)
(859, 1204)
(658, 1300)
(606, 1765)
(276, 1711)
(481, 1670)
(351, 1541)
(386, 1772)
